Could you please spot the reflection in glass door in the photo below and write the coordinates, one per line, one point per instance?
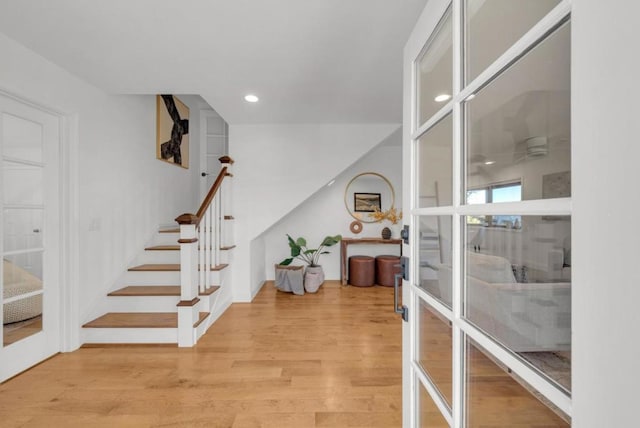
(29, 147)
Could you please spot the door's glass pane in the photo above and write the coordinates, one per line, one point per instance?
(508, 193)
(21, 318)
(435, 257)
(500, 399)
(23, 272)
(435, 169)
(22, 314)
(22, 138)
(22, 229)
(519, 126)
(435, 72)
(518, 290)
(429, 415)
(22, 184)
(477, 196)
(492, 26)
(434, 349)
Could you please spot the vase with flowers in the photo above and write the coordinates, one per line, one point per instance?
(393, 216)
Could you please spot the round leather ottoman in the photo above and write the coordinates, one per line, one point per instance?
(362, 271)
(386, 268)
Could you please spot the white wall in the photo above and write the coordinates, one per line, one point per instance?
(257, 250)
(325, 213)
(606, 280)
(278, 167)
(123, 192)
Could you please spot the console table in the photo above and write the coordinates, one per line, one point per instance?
(345, 242)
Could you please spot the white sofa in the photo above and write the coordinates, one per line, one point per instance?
(525, 317)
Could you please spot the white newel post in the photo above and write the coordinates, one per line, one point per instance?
(188, 305)
(225, 203)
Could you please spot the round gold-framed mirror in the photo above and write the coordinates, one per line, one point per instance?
(367, 192)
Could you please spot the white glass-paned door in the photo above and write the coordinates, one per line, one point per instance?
(487, 160)
(29, 147)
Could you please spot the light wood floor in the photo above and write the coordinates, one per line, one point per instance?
(331, 359)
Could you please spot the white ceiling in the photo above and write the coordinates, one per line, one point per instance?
(309, 61)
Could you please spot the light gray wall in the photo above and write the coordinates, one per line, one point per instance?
(606, 279)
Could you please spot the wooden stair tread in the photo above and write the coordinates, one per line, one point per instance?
(219, 267)
(147, 290)
(163, 248)
(209, 291)
(165, 267)
(177, 248)
(172, 230)
(201, 317)
(135, 320)
(168, 267)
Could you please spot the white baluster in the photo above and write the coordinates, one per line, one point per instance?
(216, 245)
(207, 248)
(201, 259)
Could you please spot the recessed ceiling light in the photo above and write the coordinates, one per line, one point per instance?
(250, 98)
(489, 162)
(442, 98)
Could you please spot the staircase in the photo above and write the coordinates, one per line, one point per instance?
(182, 284)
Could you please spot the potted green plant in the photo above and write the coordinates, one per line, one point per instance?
(314, 275)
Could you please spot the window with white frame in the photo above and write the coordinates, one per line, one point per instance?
(495, 193)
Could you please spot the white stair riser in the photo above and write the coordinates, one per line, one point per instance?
(207, 302)
(166, 277)
(142, 303)
(129, 335)
(226, 256)
(152, 278)
(216, 277)
(165, 239)
(158, 257)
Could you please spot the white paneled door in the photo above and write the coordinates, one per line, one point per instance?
(213, 145)
(30, 244)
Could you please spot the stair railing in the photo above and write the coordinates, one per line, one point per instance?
(200, 242)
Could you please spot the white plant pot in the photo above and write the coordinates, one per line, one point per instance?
(313, 278)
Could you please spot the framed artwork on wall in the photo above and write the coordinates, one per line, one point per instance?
(367, 202)
(172, 143)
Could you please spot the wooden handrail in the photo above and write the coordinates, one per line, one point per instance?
(188, 218)
(212, 192)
